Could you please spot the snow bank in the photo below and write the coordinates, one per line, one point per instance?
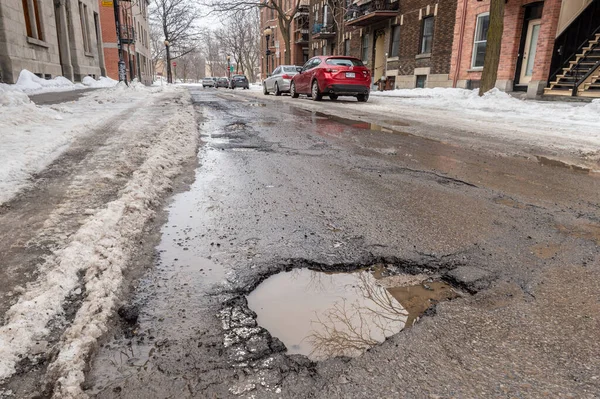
(101, 248)
(32, 84)
(11, 97)
(103, 82)
(499, 113)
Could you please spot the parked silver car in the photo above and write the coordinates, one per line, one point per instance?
(209, 82)
(279, 81)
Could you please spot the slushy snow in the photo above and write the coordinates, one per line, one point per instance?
(101, 248)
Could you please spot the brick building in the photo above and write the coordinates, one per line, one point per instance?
(550, 41)
(408, 43)
(135, 39)
(50, 38)
(299, 34)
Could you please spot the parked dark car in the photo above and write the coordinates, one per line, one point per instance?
(332, 76)
(222, 82)
(239, 81)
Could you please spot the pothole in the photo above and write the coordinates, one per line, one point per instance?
(323, 315)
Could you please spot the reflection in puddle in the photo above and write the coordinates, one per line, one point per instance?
(323, 315)
(359, 124)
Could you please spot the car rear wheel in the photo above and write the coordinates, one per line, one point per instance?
(362, 98)
(293, 90)
(316, 95)
(265, 91)
(333, 97)
(277, 91)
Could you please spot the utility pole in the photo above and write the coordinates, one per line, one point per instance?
(122, 69)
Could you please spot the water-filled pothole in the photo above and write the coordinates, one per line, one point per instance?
(323, 315)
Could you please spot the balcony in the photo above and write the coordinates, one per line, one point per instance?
(301, 36)
(363, 13)
(321, 31)
(303, 8)
(127, 35)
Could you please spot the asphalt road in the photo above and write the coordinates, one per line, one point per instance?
(278, 187)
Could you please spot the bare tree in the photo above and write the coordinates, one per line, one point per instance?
(157, 47)
(176, 18)
(240, 37)
(284, 16)
(494, 44)
(214, 53)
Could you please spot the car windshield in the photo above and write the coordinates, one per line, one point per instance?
(290, 69)
(344, 62)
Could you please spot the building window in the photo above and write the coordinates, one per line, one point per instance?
(421, 80)
(395, 49)
(33, 21)
(427, 35)
(85, 27)
(480, 43)
(347, 47)
(365, 47)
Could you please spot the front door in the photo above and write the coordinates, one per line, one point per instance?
(533, 31)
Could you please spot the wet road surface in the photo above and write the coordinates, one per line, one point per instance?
(279, 188)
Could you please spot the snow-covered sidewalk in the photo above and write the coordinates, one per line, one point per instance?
(553, 124)
(32, 136)
(135, 140)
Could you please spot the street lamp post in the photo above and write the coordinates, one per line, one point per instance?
(229, 67)
(267, 33)
(121, 63)
(169, 76)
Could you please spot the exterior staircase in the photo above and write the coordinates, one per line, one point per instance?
(581, 77)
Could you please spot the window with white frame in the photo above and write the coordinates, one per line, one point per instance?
(480, 42)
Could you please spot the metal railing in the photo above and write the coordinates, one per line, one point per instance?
(356, 11)
(577, 73)
(321, 28)
(574, 38)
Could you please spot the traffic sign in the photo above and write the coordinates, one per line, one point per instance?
(174, 64)
(231, 68)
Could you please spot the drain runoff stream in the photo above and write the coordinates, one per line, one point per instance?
(322, 315)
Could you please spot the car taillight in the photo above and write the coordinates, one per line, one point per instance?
(286, 76)
(331, 70)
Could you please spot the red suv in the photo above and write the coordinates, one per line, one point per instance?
(332, 76)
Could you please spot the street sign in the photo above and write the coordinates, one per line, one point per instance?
(107, 3)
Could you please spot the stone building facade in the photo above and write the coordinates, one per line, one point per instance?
(134, 37)
(50, 38)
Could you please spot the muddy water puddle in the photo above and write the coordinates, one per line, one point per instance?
(323, 315)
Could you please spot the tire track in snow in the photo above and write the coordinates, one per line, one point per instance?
(101, 249)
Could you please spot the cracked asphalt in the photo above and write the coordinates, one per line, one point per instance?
(278, 187)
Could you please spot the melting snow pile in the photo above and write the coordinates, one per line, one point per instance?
(103, 82)
(32, 84)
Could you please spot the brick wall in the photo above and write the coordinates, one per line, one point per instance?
(138, 19)
(461, 69)
(411, 14)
